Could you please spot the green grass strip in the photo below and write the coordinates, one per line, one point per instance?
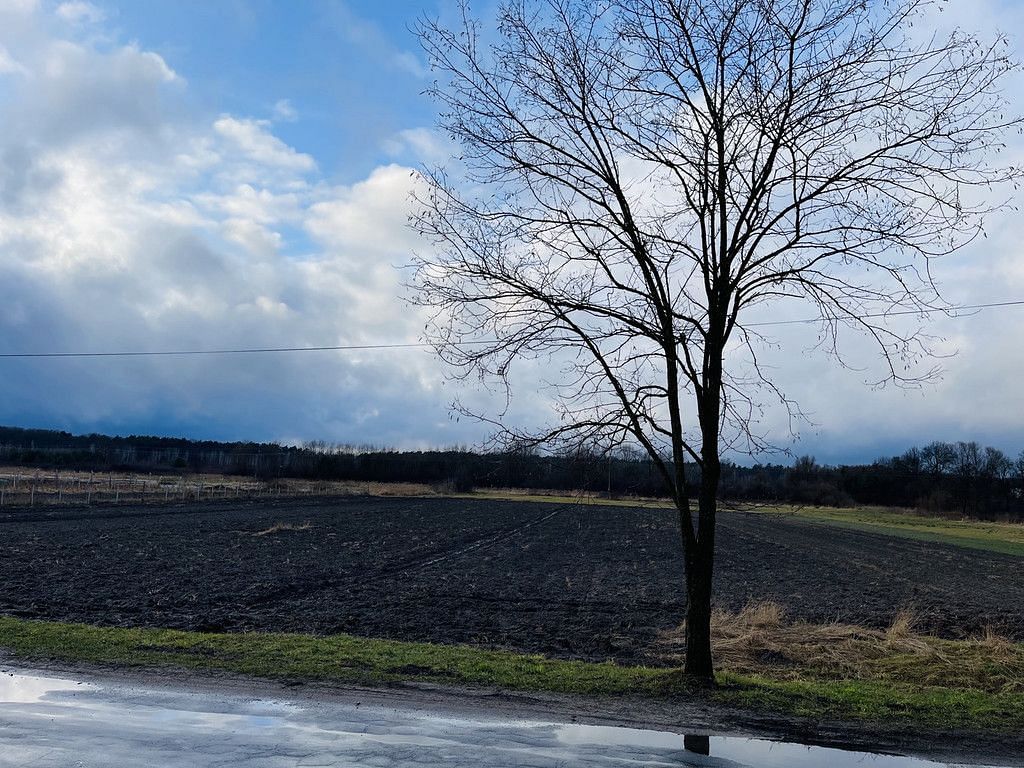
(1006, 538)
(337, 657)
(348, 659)
(873, 701)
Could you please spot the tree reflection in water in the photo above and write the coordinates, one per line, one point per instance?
(700, 745)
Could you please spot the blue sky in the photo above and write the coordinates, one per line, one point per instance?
(187, 174)
(352, 70)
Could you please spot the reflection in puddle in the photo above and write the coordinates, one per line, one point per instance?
(114, 724)
(733, 751)
(699, 745)
(24, 689)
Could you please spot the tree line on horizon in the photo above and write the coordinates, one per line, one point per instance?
(962, 478)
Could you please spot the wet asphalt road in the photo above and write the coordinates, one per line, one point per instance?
(50, 722)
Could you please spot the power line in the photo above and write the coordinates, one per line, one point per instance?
(240, 351)
(960, 308)
(423, 345)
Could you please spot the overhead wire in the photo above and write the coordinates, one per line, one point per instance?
(423, 345)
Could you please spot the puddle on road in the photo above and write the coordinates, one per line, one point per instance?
(110, 719)
(25, 689)
(732, 751)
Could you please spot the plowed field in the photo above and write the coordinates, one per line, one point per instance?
(592, 582)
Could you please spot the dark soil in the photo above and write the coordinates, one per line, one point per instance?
(565, 580)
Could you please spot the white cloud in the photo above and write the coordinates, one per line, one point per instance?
(126, 222)
(19, 7)
(369, 216)
(409, 62)
(254, 139)
(285, 112)
(78, 12)
(261, 206)
(8, 66)
(127, 65)
(423, 144)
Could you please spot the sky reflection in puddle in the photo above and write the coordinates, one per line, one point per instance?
(25, 689)
(115, 724)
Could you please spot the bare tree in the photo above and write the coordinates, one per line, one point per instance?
(966, 469)
(996, 468)
(638, 176)
(1018, 473)
(938, 458)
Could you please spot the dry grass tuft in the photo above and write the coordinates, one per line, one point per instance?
(764, 615)
(994, 640)
(280, 527)
(759, 640)
(903, 625)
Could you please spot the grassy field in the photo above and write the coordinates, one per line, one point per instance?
(1007, 538)
(834, 672)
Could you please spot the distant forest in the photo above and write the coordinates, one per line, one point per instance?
(961, 478)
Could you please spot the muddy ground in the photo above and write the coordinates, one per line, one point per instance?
(565, 580)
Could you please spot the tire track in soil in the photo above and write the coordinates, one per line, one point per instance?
(315, 585)
(611, 613)
(482, 543)
(541, 594)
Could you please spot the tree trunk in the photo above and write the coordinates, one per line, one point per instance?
(699, 544)
(699, 663)
(700, 552)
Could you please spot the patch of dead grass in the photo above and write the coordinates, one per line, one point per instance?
(902, 627)
(759, 640)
